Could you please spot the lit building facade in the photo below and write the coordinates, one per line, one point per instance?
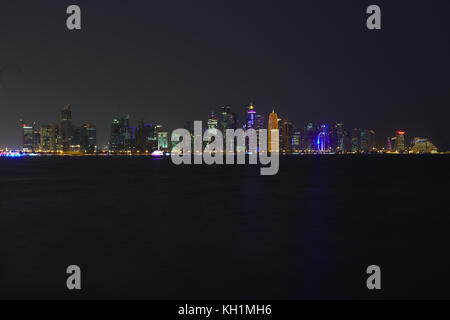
(400, 145)
(163, 141)
(66, 128)
(273, 130)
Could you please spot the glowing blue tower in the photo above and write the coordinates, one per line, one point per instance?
(323, 139)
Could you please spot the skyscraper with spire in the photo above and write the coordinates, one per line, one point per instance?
(273, 130)
(251, 114)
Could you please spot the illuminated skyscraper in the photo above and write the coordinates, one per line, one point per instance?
(323, 139)
(88, 138)
(66, 128)
(297, 142)
(115, 143)
(27, 137)
(389, 146)
(48, 134)
(121, 135)
(251, 117)
(400, 146)
(356, 140)
(286, 135)
(273, 130)
(367, 140)
(339, 137)
(309, 138)
(163, 141)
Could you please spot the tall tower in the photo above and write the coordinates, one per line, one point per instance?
(66, 128)
(27, 137)
(273, 129)
(287, 133)
(251, 117)
(400, 141)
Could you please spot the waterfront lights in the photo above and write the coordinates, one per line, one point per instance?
(11, 154)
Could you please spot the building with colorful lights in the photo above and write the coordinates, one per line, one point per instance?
(273, 130)
(28, 137)
(400, 143)
(423, 145)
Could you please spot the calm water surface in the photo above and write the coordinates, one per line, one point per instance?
(141, 228)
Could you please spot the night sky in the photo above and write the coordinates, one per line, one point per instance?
(169, 62)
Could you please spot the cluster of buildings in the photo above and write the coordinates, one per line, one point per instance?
(124, 138)
(143, 138)
(59, 138)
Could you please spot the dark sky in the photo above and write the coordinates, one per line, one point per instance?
(173, 61)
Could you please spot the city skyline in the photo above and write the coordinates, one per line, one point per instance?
(146, 137)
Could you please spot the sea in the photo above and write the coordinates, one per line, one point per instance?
(144, 228)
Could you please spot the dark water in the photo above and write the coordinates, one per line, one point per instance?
(141, 228)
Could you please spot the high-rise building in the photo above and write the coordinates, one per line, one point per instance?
(400, 145)
(356, 140)
(88, 138)
(323, 139)
(309, 138)
(339, 137)
(121, 136)
(251, 118)
(389, 145)
(273, 130)
(28, 138)
(297, 142)
(48, 138)
(36, 138)
(163, 141)
(66, 128)
(115, 143)
(367, 140)
(286, 135)
(146, 137)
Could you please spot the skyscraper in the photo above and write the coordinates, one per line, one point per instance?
(356, 140)
(66, 128)
(48, 135)
(88, 138)
(273, 130)
(389, 145)
(163, 141)
(115, 143)
(27, 132)
(146, 137)
(339, 137)
(286, 135)
(400, 147)
(309, 138)
(323, 139)
(251, 117)
(297, 142)
(367, 140)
